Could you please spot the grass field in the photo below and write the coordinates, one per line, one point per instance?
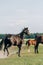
(26, 58)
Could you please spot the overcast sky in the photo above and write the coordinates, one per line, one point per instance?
(17, 14)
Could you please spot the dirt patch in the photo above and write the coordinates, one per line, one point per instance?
(5, 56)
(2, 55)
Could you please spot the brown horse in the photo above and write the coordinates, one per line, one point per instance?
(30, 42)
(15, 40)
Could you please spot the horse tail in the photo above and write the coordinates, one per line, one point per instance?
(1, 44)
(26, 42)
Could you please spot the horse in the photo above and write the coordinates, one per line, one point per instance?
(30, 42)
(39, 40)
(15, 40)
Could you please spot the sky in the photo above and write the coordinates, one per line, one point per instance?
(17, 14)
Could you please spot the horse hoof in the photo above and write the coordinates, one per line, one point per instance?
(19, 56)
(7, 54)
(16, 52)
(37, 52)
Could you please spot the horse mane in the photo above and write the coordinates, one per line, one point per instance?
(21, 33)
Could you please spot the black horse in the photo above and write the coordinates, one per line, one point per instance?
(39, 40)
(15, 40)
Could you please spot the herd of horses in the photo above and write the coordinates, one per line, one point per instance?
(17, 40)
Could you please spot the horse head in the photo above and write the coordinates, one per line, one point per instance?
(26, 31)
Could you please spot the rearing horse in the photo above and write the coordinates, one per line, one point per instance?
(15, 40)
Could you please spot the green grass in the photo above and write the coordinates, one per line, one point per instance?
(26, 58)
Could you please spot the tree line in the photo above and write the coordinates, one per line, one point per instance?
(32, 35)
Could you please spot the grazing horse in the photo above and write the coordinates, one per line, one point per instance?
(39, 40)
(15, 40)
(31, 42)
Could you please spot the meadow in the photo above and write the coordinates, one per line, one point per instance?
(27, 58)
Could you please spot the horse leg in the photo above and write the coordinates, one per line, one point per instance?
(4, 50)
(36, 47)
(19, 51)
(19, 46)
(7, 51)
(28, 48)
